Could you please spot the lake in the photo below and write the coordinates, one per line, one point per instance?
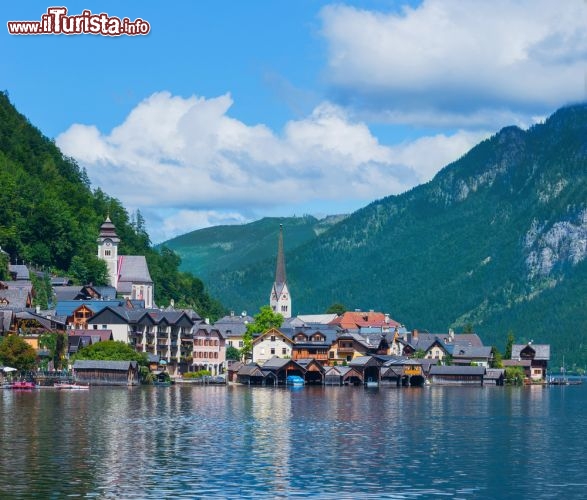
(322, 442)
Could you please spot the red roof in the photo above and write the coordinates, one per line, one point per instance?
(360, 319)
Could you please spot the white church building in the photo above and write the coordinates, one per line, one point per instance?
(129, 274)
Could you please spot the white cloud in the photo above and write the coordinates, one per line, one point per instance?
(188, 159)
(454, 62)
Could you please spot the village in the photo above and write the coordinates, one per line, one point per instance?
(351, 348)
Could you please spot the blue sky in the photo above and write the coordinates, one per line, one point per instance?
(228, 111)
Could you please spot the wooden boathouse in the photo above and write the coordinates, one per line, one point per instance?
(96, 372)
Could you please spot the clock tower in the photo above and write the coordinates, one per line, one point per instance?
(108, 250)
(280, 298)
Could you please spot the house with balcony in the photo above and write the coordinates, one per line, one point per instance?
(533, 358)
(312, 344)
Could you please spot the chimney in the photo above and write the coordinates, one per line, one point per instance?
(244, 313)
(414, 334)
(386, 318)
(37, 309)
(451, 334)
(207, 321)
(231, 314)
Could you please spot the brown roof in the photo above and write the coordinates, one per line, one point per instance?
(359, 319)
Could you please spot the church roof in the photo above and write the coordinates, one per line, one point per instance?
(133, 269)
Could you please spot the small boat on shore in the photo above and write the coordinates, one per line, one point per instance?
(23, 385)
(72, 387)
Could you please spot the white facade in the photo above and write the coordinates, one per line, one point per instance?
(269, 345)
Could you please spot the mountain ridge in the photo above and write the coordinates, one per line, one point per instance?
(494, 233)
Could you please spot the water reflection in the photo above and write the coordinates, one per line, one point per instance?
(327, 442)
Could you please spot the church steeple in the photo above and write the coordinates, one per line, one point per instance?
(280, 267)
(280, 299)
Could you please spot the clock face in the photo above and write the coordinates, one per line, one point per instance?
(108, 243)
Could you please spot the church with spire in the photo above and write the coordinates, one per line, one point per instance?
(129, 274)
(280, 298)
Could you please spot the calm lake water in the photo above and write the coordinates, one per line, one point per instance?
(322, 442)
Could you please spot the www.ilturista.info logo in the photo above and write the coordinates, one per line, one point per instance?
(56, 22)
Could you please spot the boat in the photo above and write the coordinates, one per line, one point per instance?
(371, 382)
(294, 380)
(72, 387)
(23, 384)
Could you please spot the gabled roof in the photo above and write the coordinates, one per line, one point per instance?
(466, 351)
(96, 335)
(269, 333)
(67, 307)
(359, 319)
(542, 351)
(457, 370)
(19, 271)
(133, 269)
(250, 370)
(90, 364)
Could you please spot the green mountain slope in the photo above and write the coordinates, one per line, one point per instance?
(497, 239)
(221, 248)
(50, 217)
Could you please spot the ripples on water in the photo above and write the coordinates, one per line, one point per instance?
(323, 442)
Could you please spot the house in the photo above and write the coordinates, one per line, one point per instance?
(166, 333)
(312, 344)
(106, 372)
(469, 355)
(494, 376)
(348, 346)
(209, 350)
(233, 328)
(533, 357)
(78, 339)
(270, 344)
(456, 375)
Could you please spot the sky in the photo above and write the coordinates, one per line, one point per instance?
(229, 111)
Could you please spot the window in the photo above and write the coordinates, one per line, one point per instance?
(95, 327)
(331, 354)
(240, 343)
(284, 351)
(273, 350)
(107, 253)
(104, 327)
(230, 343)
(272, 338)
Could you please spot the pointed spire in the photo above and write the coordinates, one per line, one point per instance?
(280, 267)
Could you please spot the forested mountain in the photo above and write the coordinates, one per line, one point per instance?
(222, 248)
(497, 239)
(50, 217)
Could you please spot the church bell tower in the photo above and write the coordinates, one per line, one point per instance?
(280, 299)
(108, 249)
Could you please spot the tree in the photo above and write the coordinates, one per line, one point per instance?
(336, 308)
(419, 354)
(264, 320)
(496, 358)
(508, 346)
(55, 343)
(468, 328)
(233, 353)
(112, 350)
(514, 375)
(16, 353)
